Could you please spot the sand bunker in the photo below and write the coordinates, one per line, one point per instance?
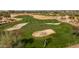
(53, 23)
(16, 27)
(18, 19)
(43, 33)
(65, 19)
(42, 17)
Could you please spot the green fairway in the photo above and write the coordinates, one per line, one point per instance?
(62, 38)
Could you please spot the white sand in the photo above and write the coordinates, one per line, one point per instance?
(43, 17)
(43, 33)
(16, 27)
(18, 19)
(53, 23)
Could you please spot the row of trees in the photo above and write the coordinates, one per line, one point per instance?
(5, 14)
(69, 12)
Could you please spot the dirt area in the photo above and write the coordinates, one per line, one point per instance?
(74, 46)
(9, 20)
(43, 33)
(16, 27)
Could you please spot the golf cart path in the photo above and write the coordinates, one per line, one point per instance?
(16, 27)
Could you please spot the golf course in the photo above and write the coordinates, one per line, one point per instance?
(34, 31)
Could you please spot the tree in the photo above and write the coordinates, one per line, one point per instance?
(46, 42)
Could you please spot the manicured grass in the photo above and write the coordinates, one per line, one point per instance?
(62, 38)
